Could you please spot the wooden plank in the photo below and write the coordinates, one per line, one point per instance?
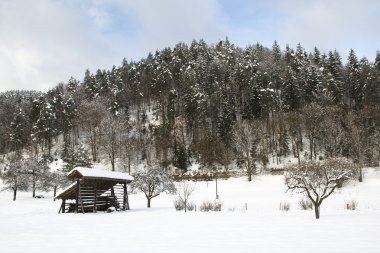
(81, 200)
(77, 197)
(95, 197)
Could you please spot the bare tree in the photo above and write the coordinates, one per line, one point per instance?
(318, 180)
(184, 192)
(152, 181)
(358, 141)
(90, 117)
(112, 128)
(313, 115)
(247, 138)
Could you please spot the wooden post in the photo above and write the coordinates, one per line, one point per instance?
(124, 196)
(95, 198)
(77, 197)
(113, 196)
(63, 205)
(81, 199)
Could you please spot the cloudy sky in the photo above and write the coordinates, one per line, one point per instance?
(44, 42)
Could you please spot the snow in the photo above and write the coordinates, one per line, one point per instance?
(99, 173)
(34, 225)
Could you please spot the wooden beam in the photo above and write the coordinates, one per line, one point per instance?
(95, 197)
(63, 205)
(77, 197)
(124, 196)
(81, 199)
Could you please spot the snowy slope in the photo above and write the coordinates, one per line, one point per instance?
(33, 225)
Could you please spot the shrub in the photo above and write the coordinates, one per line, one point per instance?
(207, 206)
(351, 204)
(190, 206)
(306, 204)
(178, 205)
(285, 206)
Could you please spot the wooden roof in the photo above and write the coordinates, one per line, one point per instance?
(89, 173)
(103, 179)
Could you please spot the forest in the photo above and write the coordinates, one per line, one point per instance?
(219, 105)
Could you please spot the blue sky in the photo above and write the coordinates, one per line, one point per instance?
(44, 42)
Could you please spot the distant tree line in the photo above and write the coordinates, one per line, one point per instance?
(214, 104)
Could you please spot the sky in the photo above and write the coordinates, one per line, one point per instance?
(45, 42)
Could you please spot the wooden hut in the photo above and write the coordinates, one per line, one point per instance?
(95, 190)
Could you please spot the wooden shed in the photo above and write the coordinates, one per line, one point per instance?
(95, 190)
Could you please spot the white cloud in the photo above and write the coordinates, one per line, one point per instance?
(47, 41)
(338, 24)
(44, 42)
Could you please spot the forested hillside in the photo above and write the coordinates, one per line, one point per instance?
(216, 105)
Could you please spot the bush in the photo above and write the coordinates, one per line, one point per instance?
(178, 205)
(207, 206)
(306, 204)
(190, 206)
(285, 206)
(351, 205)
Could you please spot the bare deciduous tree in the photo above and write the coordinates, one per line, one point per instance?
(16, 176)
(318, 180)
(184, 192)
(112, 128)
(152, 181)
(247, 137)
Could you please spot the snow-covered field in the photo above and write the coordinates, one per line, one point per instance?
(34, 225)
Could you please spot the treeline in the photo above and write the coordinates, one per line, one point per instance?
(214, 104)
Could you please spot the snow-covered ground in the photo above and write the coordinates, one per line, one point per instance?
(33, 225)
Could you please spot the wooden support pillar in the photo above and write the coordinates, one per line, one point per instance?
(113, 196)
(80, 196)
(77, 197)
(63, 205)
(124, 196)
(95, 198)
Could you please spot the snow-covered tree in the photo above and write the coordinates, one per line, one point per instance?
(247, 136)
(152, 181)
(355, 88)
(16, 177)
(18, 129)
(39, 172)
(76, 157)
(318, 180)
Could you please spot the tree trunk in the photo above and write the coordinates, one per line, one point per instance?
(249, 177)
(317, 210)
(55, 192)
(360, 174)
(34, 186)
(14, 194)
(148, 202)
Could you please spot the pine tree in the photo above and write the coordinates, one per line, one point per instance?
(291, 92)
(354, 87)
(18, 130)
(44, 128)
(335, 76)
(226, 121)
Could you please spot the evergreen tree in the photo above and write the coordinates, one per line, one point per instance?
(291, 92)
(354, 87)
(18, 130)
(44, 128)
(335, 76)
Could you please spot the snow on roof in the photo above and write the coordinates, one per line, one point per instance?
(64, 190)
(98, 173)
